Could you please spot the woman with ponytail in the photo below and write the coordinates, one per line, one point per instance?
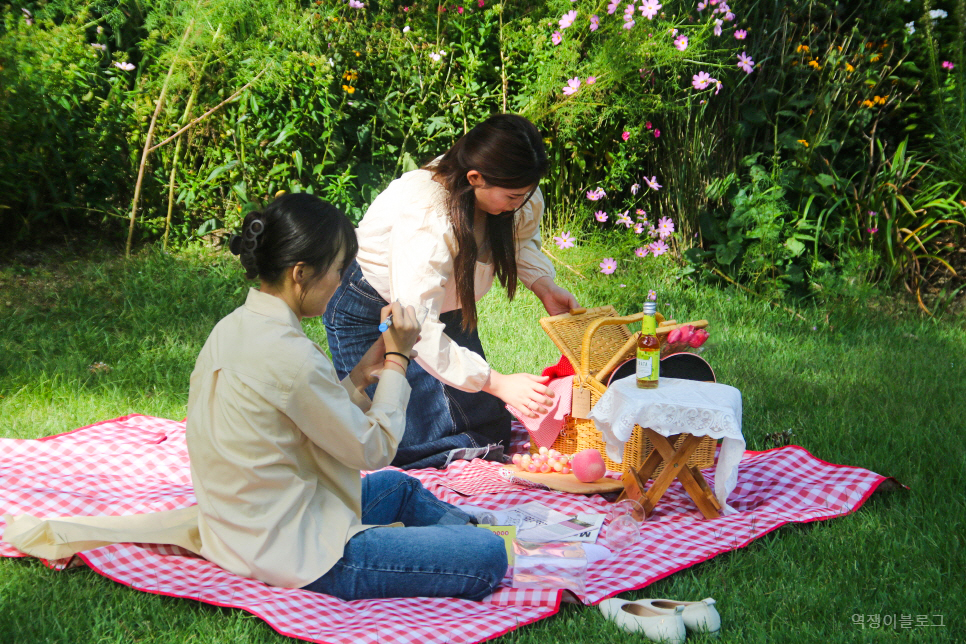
(436, 238)
(277, 440)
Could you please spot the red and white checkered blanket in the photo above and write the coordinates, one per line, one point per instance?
(138, 464)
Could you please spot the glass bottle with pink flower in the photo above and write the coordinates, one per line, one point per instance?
(648, 349)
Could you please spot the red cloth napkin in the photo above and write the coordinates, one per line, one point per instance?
(544, 429)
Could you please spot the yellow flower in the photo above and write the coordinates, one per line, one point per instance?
(794, 62)
(879, 99)
(814, 63)
(801, 48)
(350, 76)
(868, 103)
(356, 53)
(349, 89)
(849, 68)
(875, 58)
(803, 142)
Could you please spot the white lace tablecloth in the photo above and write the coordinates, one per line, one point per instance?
(676, 407)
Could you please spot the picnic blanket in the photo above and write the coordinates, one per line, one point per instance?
(137, 464)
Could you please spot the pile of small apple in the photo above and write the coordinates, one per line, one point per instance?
(587, 465)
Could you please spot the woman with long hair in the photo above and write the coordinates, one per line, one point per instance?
(435, 239)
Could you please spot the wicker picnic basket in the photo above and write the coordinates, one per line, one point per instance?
(596, 341)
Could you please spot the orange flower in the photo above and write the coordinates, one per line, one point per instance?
(801, 48)
(875, 58)
(349, 89)
(868, 103)
(803, 142)
(879, 99)
(814, 63)
(849, 68)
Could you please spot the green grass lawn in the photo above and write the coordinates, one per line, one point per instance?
(865, 383)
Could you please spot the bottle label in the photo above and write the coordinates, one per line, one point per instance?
(648, 364)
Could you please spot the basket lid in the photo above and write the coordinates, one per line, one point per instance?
(567, 332)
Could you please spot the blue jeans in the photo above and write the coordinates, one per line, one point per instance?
(435, 555)
(439, 418)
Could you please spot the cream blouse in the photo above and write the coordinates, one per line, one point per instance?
(406, 252)
(277, 443)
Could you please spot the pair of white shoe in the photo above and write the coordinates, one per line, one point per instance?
(663, 620)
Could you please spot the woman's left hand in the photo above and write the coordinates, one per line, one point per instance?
(555, 299)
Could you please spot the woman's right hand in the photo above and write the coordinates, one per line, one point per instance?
(404, 332)
(526, 393)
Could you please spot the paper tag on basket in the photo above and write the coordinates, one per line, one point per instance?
(581, 402)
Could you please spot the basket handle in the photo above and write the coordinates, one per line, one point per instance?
(589, 336)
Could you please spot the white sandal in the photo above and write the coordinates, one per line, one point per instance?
(699, 617)
(660, 626)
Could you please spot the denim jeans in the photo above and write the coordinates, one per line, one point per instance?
(436, 555)
(439, 418)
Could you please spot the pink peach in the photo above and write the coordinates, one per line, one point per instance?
(588, 465)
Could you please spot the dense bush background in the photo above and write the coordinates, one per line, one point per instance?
(837, 161)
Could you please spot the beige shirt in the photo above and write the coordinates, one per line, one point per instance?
(406, 252)
(276, 444)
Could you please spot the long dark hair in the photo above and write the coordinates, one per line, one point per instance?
(507, 150)
(293, 229)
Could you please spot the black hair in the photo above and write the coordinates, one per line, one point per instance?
(508, 152)
(293, 229)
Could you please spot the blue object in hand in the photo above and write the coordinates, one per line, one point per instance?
(384, 326)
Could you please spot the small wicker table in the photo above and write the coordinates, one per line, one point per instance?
(675, 407)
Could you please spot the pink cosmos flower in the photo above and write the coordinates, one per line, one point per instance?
(556, 37)
(681, 43)
(657, 133)
(572, 86)
(740, 34)
(872, 231)
(629, 24)
(701, 80)
(126, 67)
(729, 17)
(635, 188)
(746, 63)
(625, 135)
(641, 252)
(594, 23)
(650, 8)
(591, 80)
(622, 218)
(652, 183)
(564, 241)
(665, 227)
(612, 7)
(948, 66)
(460, 11)
(658, 248)
(608, 266)
(638, 228)
(436, 56)
(652, 296)
(567, 19)
(601, 215)
(717, 86)
(673, 31)
(702, 6)
(355, 4)
(717, 27)
(597, 194)
(641, 214)
(97, 45)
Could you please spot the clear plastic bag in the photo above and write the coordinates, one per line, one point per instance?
(559, 565)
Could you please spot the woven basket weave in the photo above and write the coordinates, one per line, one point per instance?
(596, 341)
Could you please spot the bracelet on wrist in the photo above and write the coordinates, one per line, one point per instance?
(396, 353)
(398, 364)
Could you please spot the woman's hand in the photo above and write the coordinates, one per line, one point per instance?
(555, 299)
(401, 336)
(524, 392)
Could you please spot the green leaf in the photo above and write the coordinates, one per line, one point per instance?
(794, 246)
(220, 170)
(825, 180)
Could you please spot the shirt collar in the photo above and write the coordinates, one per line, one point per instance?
(271, 306)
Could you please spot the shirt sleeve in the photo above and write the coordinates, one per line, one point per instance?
(532, 264)
(421, 252)
(323, 410)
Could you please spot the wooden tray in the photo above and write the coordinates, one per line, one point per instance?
(568, 482)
